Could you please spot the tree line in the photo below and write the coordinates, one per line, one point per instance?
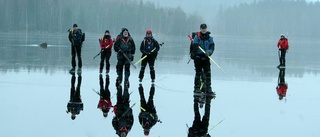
(93, 16)
(297, 18)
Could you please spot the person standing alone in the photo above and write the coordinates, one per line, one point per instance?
(76, 37)
(283, 46)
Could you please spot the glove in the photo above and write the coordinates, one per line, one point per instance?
(132, 58)
(208, 53)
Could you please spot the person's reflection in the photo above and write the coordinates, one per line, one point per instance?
(199, 127)
(148, 116)
(123, 120)
(75, 104)
(282, 85)
(105, 103)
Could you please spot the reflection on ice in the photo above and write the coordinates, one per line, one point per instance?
(148, 115)
(247, 98)
(282, 84)
(75, 104)
(122, 122)
(105, 103)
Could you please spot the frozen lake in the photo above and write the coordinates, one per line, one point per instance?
(35, 88)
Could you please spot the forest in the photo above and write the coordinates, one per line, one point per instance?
(296, 18)
(56, 16)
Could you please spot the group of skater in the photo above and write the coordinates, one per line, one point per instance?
(125, 47)
(201, 48)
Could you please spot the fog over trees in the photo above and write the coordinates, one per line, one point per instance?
(297, 18)
(264, 18)
(93, 16)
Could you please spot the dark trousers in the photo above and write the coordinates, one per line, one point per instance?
(122, 100)
(76, 50)
(150, 60)
(123, 62)
(104, 91)
(282, 57)
(202, 66)
(148, 106)
(105, 56)
(281, 79)
(200, 127)
(75, 92)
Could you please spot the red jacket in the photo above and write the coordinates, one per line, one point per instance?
(104, 102)
(283, 44)
(106, 43)
(282, 90)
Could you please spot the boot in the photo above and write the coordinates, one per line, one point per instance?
(210, 93)
(72, 70)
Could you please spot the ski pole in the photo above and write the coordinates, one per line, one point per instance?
(97, 54)
(215, 126)
(127, 110)
(212, 59)
(96, 91)
(100, 52)
(145, 56)
(143, 109)
(128, 59)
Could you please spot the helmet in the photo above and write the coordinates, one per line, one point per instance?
(73, 117)
(146, 132)
(148, 31)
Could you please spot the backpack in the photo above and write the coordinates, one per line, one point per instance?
(192, 49)
(78, 37)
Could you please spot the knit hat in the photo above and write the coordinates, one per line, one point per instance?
(203, 26)
(75, 25)
(124, 29)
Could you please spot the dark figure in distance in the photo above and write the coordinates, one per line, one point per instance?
(283, 46)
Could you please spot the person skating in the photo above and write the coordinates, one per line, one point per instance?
(76, 38)
(106, 44)
(149, 48)
(202, 40)
(125, 48)
(283, 46)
